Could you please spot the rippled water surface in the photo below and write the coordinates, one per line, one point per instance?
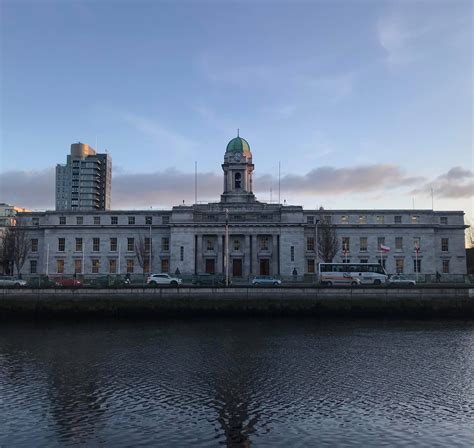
(214, 382)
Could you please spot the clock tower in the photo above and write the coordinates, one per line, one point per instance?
(238, 169)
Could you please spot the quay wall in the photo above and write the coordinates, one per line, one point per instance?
(163, 302)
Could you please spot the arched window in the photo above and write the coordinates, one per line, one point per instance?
(238, 180)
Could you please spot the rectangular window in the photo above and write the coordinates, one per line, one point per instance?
(346, 243)
(310, 219)
(165, 220)
(165, 265)
(130, 266)
(97, 220)
(61, 244)
(397, 219)
(130, 244)
(62, 220)
(415, 219)
(147, 245)
(209, 244)
(364, 260)
(112, 266)
(327, 219)
(310, 244)
(60, 266)
(417, 266)
(34, 245)
(398, 243)
(311, 266)
(264, 243)
(113, 244)
(181, 253)
(344, 219)
(363, 244)
(380, 219)
(77, 266)
(236, 245)
(443, 220)
(114, 220)
(292, 253)
(95, 244)
(380, 242)
(78, 244)
(35, 221)
(444, 244)
(346, 260)
(165, 244)
(148, 220)
(131, 220)
(399, 266)
(362, 219)
(417, 243)
(79, 220)
(33, 266)
(95, 266)
(445, 266)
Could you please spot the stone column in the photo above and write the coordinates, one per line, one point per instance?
(199, 254)
(274, 255)
(220, 250)
(246, 251)
(255, 267)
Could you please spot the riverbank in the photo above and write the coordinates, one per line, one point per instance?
(378, 302)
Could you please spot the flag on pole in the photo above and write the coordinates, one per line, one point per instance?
(384, 248)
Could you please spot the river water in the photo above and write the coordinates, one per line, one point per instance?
(241, 382)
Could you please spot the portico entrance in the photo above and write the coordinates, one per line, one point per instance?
(237, 267)
(264, 266)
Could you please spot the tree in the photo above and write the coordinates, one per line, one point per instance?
(142, 252)
(15, 248)
(328, 241)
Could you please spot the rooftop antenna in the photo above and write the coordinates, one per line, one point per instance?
(195, 182)
(279, 182)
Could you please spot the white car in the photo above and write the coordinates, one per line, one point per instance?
(266, 280)
(399, 279)
(11, 282)
(163, 280)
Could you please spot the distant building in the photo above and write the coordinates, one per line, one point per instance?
(85, 182)
(263, 238)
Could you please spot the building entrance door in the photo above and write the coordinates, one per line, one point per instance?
(237, 267)
(210, 266)
(265, 266)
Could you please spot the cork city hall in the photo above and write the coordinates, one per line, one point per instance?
(256, 238)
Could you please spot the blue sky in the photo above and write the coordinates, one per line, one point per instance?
(366, 104)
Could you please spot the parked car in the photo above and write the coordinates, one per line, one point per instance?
(69, 283)
(399, 279)
(209, 280)
(266, 280)
(109, 281)
(155, 280)
(11, 282)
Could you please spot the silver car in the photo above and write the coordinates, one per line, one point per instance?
(399, 279)
(266, 280)
(11, 282)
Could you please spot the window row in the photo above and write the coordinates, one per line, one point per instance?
(381, 245)
(378, 219)
(113, 220)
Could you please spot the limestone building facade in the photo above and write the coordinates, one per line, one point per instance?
(262, 238)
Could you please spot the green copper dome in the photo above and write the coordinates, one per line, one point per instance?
(238, 144)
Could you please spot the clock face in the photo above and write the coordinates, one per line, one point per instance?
(238, 157)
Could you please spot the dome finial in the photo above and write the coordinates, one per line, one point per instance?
(237, 132)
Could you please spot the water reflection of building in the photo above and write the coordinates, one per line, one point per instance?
(264, 238)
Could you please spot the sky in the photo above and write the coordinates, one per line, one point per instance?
(362, 104)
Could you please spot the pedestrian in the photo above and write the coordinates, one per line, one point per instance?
(295, 275)
(438, 277)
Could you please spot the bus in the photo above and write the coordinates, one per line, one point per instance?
(344, 273)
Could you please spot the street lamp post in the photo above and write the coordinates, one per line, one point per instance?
(226, 258)
(149, 253)
(316, 248)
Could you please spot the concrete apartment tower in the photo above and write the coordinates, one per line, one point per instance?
(85, 182)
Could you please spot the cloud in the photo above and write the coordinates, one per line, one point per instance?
(28, 189)
(457, 183)
(35, 189)
(359, 179)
